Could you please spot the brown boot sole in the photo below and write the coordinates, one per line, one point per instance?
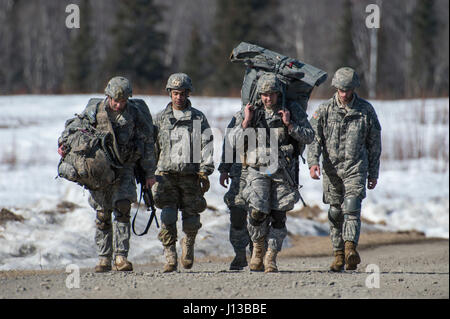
(102, 269)
(187, 265)
(271, 269)
(126, 268)
(169, 268)
(254, 267)
(352, 262)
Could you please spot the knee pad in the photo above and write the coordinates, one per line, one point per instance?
(122, 211)
(103, 221)
(335, 215)
(238, 218)
(191, 224)
(278, 218)
(256, 217)
(352, 208)
(351, 205)
(169, 215)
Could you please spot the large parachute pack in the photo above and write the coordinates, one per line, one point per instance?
(298, 78)
(91, 156)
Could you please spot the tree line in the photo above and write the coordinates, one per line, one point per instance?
(147, 40)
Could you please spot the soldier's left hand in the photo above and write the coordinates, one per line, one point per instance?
(149, 182)
(371, 183)
(285, 116)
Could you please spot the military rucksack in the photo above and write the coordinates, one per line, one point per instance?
(89, 154)
(298, 79)
(92, 155)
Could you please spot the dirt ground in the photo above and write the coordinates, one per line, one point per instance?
(394, 265)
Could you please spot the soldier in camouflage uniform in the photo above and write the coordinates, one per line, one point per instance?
(182, 134)
(229, 168)
(267, 193)
(348, 136)
(134, 144)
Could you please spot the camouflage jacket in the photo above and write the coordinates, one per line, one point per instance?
(348, 140)
(133, 135)
(185, 145)
(300, 134)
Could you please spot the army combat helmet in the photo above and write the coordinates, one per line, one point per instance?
(118, 88)
(345, 79)
(179, 81)
(268, 83)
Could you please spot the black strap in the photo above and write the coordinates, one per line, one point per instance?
(149, 223)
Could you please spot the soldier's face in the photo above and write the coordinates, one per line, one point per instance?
(345, 96)
(117, 105)
(269, 99)
(179, 98)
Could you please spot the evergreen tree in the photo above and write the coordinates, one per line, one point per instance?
(78, 58)
(346, 55)
(195, 63)
(137, 46)
(346, 51)
(238, 21)
(423, 47)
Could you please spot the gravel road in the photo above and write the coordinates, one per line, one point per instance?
(417, 270)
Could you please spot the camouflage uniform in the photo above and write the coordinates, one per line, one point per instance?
(349, 139)
(134, 143)
(178, 172)
(269, 195)
(238, 235)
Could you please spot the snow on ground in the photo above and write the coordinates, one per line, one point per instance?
(412, 192)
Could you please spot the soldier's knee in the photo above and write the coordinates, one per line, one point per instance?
(256, 217)
(351, 208)
(191, 224)
(103, 220)
(278, 219)
(238, 217)
(335, 215)
(169, 215)
(122, 211)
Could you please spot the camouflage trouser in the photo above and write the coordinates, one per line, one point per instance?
(265, 193)
(268, 198)
(114, 238)
(173, 192)
(345, 197)
(239, 237)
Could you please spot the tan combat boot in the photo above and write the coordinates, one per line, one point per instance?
(256, 262)
(170, 252)
(270, 261)
(352, 258)
(187, 250)
(338, 263)
(104, 264)
(122, 264)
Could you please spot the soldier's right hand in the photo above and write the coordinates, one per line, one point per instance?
(248, 115)
(224, 179)
(61, 150)
(314, 171)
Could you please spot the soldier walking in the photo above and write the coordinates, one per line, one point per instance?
(133, 136)
(268, 194)
(348, 136)
(182, 180)
(229, 168)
